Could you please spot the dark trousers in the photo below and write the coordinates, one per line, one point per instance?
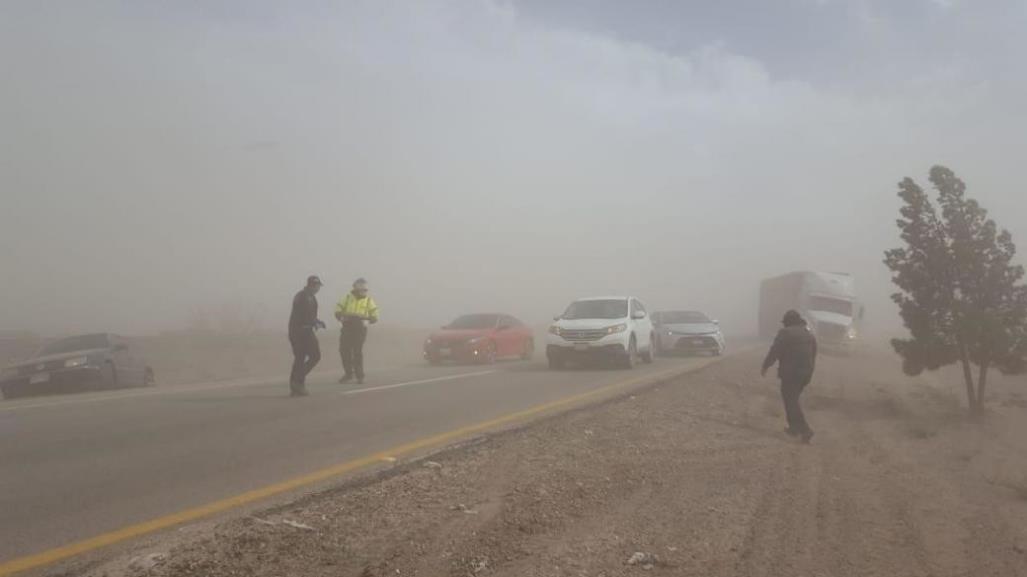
(306, 352)
(351, 348)
(791, 388)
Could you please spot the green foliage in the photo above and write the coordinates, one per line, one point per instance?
(960, 294)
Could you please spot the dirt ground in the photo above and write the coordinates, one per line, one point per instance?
(691, 477)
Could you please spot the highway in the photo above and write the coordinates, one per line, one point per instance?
(76, 466)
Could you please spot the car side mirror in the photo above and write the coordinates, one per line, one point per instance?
(716, 322)
(638, 315)
(557, 317)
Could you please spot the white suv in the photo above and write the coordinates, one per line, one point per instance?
(616, 328)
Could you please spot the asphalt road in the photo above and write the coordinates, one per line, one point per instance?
(75, 466)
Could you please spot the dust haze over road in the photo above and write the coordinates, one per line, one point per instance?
(163, 158)
(169, 166)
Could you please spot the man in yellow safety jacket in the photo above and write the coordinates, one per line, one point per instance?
(355, 311)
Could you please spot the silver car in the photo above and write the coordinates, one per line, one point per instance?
(687, 332)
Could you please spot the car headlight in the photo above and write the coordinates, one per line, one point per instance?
(554, 330)
(851, 333)
(76, 362)
(616, 329)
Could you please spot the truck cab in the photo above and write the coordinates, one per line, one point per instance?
(827, 300)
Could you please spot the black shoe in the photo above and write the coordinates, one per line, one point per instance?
(807, 437)
(791, 432)
(299, 393)
(345, 379)
(360, 380)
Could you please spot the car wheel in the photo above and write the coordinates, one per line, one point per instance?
(108, 376)
(149, 379)
(490, 354)
(631, 358)
(647, 357)
(555, 363)
(529, 350)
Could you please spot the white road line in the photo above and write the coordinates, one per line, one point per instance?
(170, 390)
(420, 382)
(97, 399)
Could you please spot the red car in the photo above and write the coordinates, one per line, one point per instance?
(480, 338)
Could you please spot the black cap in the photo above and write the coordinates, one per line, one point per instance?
(314, 280)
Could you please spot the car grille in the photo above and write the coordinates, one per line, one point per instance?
(34, 368)
(453, 344)
(583, 335)
(696, 341)
(831, 331)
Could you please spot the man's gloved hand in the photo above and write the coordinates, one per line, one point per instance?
(372, 320)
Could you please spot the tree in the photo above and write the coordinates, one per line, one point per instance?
(960, 294)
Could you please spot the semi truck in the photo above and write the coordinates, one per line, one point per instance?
(827, 300)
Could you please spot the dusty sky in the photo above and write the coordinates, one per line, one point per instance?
(160, 160)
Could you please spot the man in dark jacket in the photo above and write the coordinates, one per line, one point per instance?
(795, 352)
(305, 349)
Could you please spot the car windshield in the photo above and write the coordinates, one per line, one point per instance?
(597, 309)
(682, 318)
(470, 322)
(72, 344)
(831, 305)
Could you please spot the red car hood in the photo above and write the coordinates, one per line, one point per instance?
(459, 335)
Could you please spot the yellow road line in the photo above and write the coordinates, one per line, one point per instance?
(132, 531)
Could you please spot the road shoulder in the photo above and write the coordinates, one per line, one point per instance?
(692, 474)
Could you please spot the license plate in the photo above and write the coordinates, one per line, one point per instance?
(39, 378)
(697, 341)
(581, 347)
(444, 352)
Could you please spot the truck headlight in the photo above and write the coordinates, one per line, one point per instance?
(555, 330)
(76, 362)
(616, 329)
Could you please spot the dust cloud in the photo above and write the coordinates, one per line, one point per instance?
(159, 160)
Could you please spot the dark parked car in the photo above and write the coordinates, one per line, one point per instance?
(85, 362)
(480, 338)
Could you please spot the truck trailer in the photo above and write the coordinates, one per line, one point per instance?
(827, 300)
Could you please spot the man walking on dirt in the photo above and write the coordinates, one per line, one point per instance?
(354, 311)
(305, 349)
(795, 352)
